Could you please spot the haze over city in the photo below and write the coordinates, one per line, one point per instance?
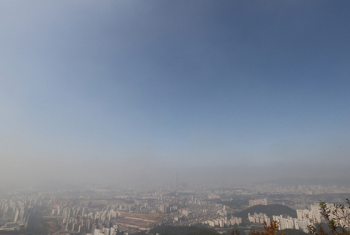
(137, 92)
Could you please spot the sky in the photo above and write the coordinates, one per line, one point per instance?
(135, 91)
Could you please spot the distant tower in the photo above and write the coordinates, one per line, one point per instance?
(176, 180)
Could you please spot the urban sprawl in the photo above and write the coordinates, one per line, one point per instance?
(123, 211)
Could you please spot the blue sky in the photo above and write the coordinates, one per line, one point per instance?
(174, 84)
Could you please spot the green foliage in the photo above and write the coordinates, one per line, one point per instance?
(269, 229)
(235, 232)
(182, 230)
(203, 232)
(337, 219)
(293, 232)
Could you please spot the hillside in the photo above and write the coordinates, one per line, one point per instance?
(269, 210)
(293, 232)
(182, 230)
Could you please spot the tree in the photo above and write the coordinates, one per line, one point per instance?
(271, 229)
(336, 217)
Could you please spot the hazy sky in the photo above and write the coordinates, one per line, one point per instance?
(109, 89)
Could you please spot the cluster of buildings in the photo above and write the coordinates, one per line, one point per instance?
(258, 218)
(292, 223)
(80, 216)
(303, 220)
(111, 212)
(284, 222)
(17, 212)
(167, 208)
(78, 219)
(224, 222)
(313, 214)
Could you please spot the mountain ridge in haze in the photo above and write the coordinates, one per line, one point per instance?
(269, 210)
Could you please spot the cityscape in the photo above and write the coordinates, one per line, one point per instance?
(123, 211)
(181, 117)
